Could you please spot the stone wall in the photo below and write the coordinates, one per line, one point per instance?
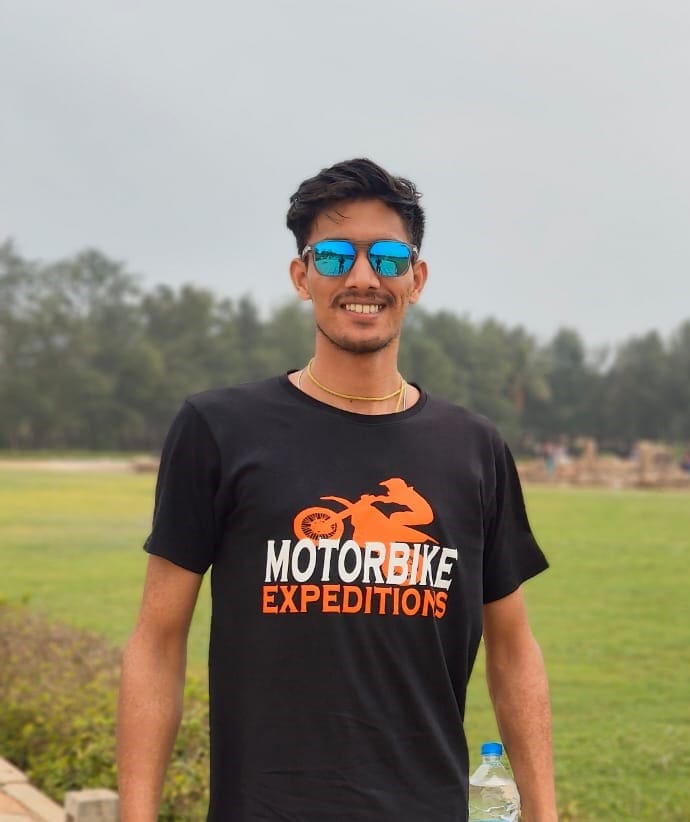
(651, 465)
(20, 801)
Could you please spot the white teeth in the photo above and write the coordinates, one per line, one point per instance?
(358, 308)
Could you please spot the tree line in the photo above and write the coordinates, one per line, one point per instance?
(90, 359)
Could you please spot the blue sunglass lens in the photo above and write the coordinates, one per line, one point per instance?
(389, 258)
(333, 257)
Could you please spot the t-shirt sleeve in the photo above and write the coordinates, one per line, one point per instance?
(511, 553)
(185, 528)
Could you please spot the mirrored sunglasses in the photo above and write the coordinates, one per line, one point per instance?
(388, 258)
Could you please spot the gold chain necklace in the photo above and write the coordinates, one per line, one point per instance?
(400, 393)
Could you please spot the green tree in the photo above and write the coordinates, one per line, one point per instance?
(54, 329)
(428, 346)
(286, 341)
(564, 408)
(635, 393)
(678, 399)
(197, 342)
(88, 359)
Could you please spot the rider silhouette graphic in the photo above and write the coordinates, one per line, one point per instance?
(370, 523)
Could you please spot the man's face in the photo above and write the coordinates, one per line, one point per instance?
(360, 312)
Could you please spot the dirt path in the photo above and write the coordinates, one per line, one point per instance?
(101, 465)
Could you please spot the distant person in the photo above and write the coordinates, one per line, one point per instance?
(685, 461)
(361, 535)
(549, 451)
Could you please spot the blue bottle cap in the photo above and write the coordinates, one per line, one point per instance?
(492, 749)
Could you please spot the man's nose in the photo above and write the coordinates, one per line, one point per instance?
(362, 275)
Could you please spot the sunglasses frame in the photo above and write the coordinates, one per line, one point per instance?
(412, 249)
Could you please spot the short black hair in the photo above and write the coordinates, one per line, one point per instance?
(359, 179)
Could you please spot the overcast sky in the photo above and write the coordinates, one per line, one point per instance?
(549, 138)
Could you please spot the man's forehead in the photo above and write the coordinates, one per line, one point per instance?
(366, 215)
(333, 214)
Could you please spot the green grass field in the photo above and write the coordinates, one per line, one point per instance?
(612, 615)
(71, 547)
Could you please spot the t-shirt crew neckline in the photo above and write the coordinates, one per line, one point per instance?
(368, 419)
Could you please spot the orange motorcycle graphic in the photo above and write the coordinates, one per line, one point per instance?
(370, 523)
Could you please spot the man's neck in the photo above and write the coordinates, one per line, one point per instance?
(365, 383)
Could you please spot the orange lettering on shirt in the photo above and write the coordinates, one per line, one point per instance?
(382, 592)
(330, 599)
(288, 606)
(268, 604)
(429, 602)
(352, 599)
(441, 599)
(411, 608)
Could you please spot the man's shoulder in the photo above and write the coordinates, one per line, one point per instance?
(445, 411)
(235, 405)
(240, 395)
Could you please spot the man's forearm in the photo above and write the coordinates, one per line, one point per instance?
(520, 695)
(149, 711)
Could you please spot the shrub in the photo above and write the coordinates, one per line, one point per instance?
(58, 687)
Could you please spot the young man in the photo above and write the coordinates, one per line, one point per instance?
(362, 535)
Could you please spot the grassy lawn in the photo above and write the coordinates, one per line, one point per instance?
(612, 616)
(71, 547)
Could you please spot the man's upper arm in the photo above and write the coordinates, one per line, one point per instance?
(169, 598)
(506, 628)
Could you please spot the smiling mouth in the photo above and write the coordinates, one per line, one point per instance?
(360, 308)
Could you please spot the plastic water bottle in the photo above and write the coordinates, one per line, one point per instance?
(493, 792)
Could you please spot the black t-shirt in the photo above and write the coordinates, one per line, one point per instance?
(351, 555)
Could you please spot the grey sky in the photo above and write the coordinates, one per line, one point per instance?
(550, 140)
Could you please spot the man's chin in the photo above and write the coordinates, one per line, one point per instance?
(358, 345)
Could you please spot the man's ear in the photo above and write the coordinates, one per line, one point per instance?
(419, 273)
(298, 275)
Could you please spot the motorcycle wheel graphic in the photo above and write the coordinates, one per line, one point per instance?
(315, 523)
